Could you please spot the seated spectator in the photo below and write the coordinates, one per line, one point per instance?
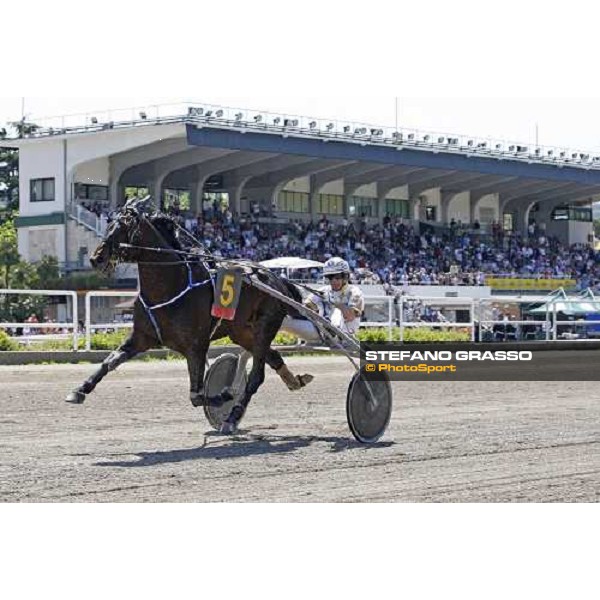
(394, 251)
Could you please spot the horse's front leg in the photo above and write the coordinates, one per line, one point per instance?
(128, 350)
(196, 361)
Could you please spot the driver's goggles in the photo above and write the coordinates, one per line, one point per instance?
(336, 276)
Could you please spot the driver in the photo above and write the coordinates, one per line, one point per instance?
(339, 302)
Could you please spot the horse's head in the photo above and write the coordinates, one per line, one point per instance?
(128, 228)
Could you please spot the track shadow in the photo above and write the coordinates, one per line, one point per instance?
(240, 445)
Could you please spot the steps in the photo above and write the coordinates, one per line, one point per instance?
(85, 231)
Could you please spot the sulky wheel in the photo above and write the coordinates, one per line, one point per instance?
(220, 377)
(368, 407)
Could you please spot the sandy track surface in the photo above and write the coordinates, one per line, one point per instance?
(137, 439)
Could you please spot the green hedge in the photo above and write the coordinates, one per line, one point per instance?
(415, 334)
(6, 342)
(111, 341)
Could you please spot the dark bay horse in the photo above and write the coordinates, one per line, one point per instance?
(173, 308)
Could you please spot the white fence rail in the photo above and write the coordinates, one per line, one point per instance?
(73, 325)
(385, 300)
(393, 312)
(89, 326)
(466, 303)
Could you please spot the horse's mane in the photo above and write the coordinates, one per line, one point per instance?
(167, 227)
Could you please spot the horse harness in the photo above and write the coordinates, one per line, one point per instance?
(191, 285)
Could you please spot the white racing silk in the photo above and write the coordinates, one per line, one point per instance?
(325, 301)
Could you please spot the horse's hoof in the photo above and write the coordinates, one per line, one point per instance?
(197, 400)
(304, 380)
(230, 425)
(228, 428)
(75, 398)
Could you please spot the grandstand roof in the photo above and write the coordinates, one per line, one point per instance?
(418, 166)
(268, 147)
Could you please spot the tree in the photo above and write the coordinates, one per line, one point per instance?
(9, 165)
(9, 252)
(9, 178)
(48, 272)
(24, 128)
(16, 273)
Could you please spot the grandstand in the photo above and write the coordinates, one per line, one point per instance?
(405, 207)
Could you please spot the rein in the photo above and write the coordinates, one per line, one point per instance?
(189, 254)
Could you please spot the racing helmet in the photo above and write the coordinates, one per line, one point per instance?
(336, 266)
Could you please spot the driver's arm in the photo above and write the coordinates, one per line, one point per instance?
(350, 313)
(355, 307)
(311, 305)
(310, 302)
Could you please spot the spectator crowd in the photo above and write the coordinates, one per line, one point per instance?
(393, 252)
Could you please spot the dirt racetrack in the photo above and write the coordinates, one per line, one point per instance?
(138, 439)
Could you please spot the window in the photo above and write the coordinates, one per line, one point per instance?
(221, 198)
(580, 213)
(330, 204)
(560, 214)
(572, 213)
(296, 202)
(177, 197)
(507, 222)
(397, 208)
(136, 192)
(42, 190)
(430, 213)
(96, 193)
(359, 205)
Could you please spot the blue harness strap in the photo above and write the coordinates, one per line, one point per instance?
(152, 318)
(150, 309)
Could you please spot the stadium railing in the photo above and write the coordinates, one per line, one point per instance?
(72, 325)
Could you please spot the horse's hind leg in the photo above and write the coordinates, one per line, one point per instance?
(293, 382)
(127, 351)
(255, 380)
(259, 349)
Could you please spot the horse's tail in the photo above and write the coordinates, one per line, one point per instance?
(294, 293)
